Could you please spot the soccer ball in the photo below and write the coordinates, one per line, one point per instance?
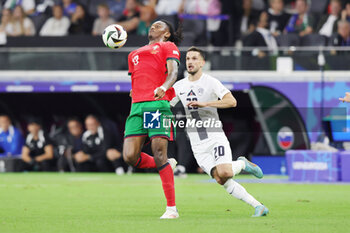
(114, 36)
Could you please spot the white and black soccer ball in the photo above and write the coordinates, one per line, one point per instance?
(114, 36)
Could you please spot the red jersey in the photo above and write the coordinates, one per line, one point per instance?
(148, 69)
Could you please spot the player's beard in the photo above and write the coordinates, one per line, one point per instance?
(193, 72)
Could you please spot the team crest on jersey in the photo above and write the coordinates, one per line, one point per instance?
(155, 51)
(191, 93)
(200, 91)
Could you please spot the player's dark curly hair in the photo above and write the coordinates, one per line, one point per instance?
(175, 36)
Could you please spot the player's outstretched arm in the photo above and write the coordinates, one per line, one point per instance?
(172, 68)
(346, 97)
(228, 101)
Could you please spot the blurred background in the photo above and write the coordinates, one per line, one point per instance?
(63, 94)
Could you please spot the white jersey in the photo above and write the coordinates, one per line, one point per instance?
(205, 89)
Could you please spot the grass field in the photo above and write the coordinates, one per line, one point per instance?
(108, 203)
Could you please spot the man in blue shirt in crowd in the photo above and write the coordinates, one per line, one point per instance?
(11, 139)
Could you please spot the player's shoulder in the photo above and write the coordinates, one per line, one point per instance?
(168, 44)
(208, 78)
(131, 53)
(182, 81)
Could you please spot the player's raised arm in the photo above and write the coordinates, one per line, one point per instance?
(172, 67)
(346, 98)
(228, 101)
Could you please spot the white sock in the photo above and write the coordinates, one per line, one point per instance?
(239, 192)
(171, 208)
(237, 166)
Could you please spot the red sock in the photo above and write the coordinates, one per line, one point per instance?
(167, 177)
(145, 161)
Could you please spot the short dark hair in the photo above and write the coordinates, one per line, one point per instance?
(195, 49)
(94, 117)
(35, 120)
(175, 36)
(74, 118)
(103, 5)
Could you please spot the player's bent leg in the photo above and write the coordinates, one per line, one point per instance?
(159, 148)
(224, 171)
(238, 191)
(216, 176)
(132, 149)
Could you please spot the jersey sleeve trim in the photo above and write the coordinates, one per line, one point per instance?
(174, 58)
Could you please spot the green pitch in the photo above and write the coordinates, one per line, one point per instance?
(108, 203)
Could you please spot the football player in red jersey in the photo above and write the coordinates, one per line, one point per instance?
(153, 69)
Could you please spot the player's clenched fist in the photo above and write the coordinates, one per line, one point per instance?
(159, 92)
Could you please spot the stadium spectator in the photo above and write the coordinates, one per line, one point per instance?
(5, 19)
(103, 20)
(37, 153)
(259, 5)
(201, 7)
(27, 5)
(345, 14)
(57, 25)
(147, 16)
(11, 140)
(43, 5)
(69, 144)
(116, 7)
(81, 22)
(20, 24)
(69, 7)
(328, 23)
(131, 16)
(166, 7)
(100, 149)
(343, 36)
(277, 17)
(249, 18)
(301, 22)
(261, 37)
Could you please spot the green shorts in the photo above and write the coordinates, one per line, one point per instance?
(152, 119)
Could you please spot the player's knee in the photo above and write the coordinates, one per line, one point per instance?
(225, 173)
(129, 157)
(220, 181)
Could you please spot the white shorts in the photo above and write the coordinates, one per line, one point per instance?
(213, 152)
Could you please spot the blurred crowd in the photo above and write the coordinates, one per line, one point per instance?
(265, 23)
(95, 145)
(72, 145)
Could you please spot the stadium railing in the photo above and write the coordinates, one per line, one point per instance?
(218, 58)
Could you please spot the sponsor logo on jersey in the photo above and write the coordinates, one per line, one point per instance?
(285, 138)
(151, 120)
(191, 93)
(155, 51)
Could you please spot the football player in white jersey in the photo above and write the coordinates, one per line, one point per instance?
(201, 95)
